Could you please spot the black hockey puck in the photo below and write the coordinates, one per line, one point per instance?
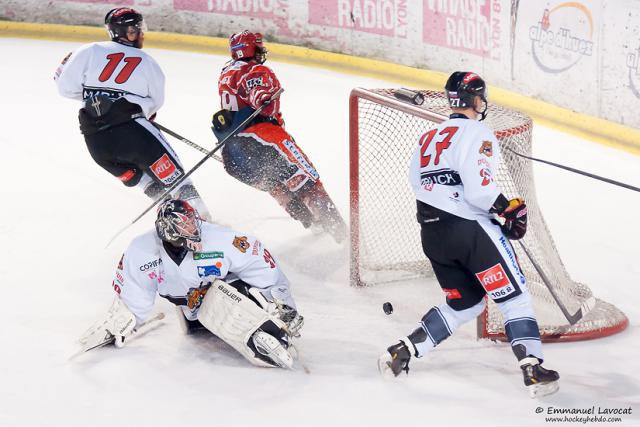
(387, 307)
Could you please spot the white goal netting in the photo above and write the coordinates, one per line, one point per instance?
(385, 235)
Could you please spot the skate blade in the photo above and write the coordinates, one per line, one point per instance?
(543, 389)
(269, 346)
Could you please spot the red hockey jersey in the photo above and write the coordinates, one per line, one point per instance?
(243, 83)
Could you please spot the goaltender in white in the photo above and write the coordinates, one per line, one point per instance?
(222, 280)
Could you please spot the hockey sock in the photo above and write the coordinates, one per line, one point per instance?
(438, 325)
(521, 326)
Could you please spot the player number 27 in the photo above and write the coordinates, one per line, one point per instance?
(441, 145)
(114, 60)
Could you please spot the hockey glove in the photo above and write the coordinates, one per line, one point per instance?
(261, 95)
(515, 215)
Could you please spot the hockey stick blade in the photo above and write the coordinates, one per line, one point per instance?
(578, 171)
(586, 306)
(180, 180)
(139, 331)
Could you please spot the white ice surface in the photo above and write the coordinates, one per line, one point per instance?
(59, 210)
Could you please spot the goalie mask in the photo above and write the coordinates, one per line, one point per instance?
(178, 223)
(462, 88)
(248, 45)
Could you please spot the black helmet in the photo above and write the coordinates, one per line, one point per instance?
(461, 89)
(178, 223)
(119, 20)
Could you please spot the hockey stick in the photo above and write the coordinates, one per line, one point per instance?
(186, 141)
(197, 165)
(578, 171)
(136, 333)
(571, 318)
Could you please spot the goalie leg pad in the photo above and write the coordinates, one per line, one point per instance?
(234, 318)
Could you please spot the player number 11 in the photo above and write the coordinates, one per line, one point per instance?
(114, 59)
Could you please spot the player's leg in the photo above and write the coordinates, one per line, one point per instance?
(464, 302)
(136, 153)
(291, 178)
(160, 162)
(498, 271)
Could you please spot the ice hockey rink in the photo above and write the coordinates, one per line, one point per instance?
(60, 209)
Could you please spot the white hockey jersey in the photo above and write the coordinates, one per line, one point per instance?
(115, 70)
(146, 269)
(453, 167)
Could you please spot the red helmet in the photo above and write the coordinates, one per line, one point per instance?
(247, 45)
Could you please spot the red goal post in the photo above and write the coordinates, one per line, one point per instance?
(385, 242)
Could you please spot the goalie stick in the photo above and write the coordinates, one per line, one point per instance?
(197, 165)
(571, 318)
(139, 331)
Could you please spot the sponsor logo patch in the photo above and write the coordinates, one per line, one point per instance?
(452, 293)
(207, 255)
(441, 177)
(151, 264)
(210, 270)
(241, 243)
(496, 282)
(165, 169)
(487, 178)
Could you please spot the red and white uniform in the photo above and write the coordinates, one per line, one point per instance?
(247, 83)
(453, 167)
(241, 84)
(146, 269)
(115, 70)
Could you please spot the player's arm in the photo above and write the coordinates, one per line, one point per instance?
(135, 295)
(485, 157)
(258, 87)
(70, 75)
(479, 165)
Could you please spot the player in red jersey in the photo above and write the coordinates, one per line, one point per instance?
(263, 155)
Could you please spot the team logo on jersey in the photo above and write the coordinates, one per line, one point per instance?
(121, 263)
(195, 297)
(241, 244)
(210, 270)
(207, 255)
(495, 281)
(166, 170)
(486, 148)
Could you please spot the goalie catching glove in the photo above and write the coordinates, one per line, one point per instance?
(514, 212)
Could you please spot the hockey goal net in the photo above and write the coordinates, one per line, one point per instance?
(385, 236)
